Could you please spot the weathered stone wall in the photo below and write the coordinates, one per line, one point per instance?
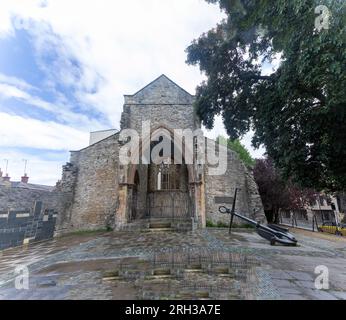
(66, 188)
(160, 91)
(26, 215)
(99, 192)
(142, 190)
(163, 103)
(90, 184)
(170, 116)
(220, 192)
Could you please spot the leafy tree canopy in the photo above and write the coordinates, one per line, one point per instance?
(239, 148)
(298, 110)
(279, 194)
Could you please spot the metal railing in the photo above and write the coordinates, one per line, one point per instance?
(296, 220)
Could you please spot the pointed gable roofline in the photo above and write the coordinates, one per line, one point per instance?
(159, 77)
(161, 87)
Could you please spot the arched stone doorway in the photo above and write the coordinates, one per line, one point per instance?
(168, 191)
(177, 191)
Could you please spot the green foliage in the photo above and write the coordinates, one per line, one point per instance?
(297, 110)
(245, 226)
(220, 224)
(240, 149)
(210, 224)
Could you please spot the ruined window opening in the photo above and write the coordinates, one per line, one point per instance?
(168, 177)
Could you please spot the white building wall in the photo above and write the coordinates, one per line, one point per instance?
(97, 136)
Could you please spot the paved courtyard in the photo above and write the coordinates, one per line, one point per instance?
(205, 264)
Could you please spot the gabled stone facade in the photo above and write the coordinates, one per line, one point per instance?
(102, 192)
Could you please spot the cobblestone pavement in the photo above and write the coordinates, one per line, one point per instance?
(205, 264)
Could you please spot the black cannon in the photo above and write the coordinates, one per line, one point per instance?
(270, 232)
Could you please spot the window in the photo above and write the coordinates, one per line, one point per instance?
(165, 181)
(168, 177)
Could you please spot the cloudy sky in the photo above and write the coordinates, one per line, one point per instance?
(65, 65)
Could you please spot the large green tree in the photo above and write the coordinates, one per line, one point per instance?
(297, 110)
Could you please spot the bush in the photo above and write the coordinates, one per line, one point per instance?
(220, 224)
(210, 224)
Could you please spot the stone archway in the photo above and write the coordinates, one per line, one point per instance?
(188, 202)
(168, 194)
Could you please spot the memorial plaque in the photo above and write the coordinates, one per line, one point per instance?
(221, 200)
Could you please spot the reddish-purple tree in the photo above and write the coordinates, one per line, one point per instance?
(277, 193)
(300, 197)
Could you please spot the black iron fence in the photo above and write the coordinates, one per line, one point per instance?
(315, 220)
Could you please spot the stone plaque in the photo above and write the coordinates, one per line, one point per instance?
(220, 200)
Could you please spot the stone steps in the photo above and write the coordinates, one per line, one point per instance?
(159, 230)
(160, 225)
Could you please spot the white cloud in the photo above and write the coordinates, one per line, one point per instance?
(16, 131)
(73, 119)
(19, 83)
(119, 47)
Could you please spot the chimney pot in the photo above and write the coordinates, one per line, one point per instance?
(25, 178)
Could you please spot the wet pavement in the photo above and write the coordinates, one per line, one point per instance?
(205, 264)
